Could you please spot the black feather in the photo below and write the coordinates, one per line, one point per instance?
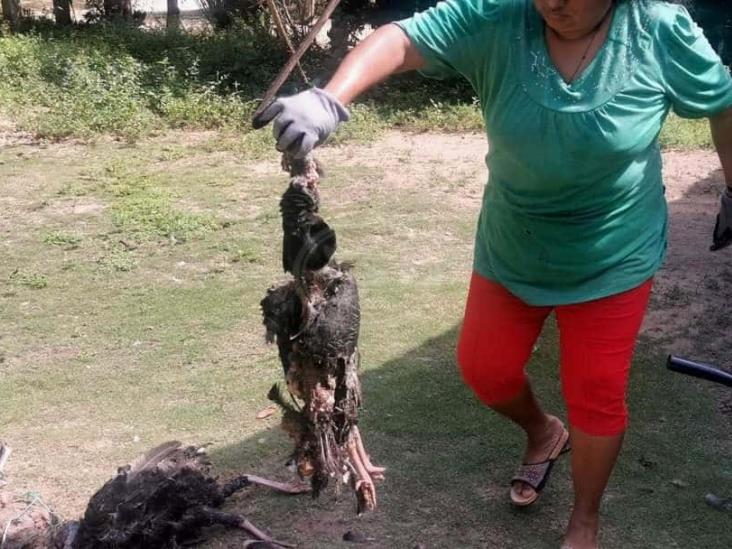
(308, 243)
(162, 499)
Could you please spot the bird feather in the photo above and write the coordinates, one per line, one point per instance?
(152, 458)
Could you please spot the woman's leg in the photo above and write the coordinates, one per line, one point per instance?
(498, 335)
(593, 458)
(597, 343)
(542, 432)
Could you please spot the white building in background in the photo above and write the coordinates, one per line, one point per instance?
(153, 6)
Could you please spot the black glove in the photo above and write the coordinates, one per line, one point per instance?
(722, 236)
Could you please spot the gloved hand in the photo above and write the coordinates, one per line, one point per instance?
(303, 121)
(723, 229)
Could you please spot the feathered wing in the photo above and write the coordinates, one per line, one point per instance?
(100, 516)
(333, 331)
(145, 499)
(152, 458)
(308, 243)
(281, 316)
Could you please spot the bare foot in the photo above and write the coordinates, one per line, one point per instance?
(538, 449)
(582, 531)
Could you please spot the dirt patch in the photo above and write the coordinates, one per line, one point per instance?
(10, 136)
(75, 207)
(35, 357)
(450, 154)
(688, 313)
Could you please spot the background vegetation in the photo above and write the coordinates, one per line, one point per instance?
(109, 78)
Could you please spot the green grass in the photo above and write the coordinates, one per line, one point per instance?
(150, 213)
(32, 280)
(684, 134)
(128, 338)
(117, 260)
(58, 238)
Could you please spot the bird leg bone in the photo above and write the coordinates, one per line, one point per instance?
(364, 470)
(284, 487)
(376, 473)
(209, 516)
(243, 481)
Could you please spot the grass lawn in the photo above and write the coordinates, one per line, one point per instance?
(129, 289)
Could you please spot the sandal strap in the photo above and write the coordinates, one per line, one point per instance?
(533, 474)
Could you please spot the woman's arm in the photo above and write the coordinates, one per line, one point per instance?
(385, 52)
(722, 135)
(305, 120)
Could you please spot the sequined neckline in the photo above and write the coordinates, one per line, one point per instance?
(604, 76)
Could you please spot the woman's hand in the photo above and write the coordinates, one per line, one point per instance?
(723, 229)
(303, 121)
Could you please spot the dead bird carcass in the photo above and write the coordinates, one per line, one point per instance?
(314, 318)
(163, 499)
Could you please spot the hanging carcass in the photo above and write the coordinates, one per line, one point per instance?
(314, 318)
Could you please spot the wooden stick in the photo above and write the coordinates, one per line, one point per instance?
(285, 37)
(287, 69)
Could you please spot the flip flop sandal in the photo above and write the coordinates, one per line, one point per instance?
(537, 474)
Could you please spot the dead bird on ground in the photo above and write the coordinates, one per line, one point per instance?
(314, 318)
(164, 499)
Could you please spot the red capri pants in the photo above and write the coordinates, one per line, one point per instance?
(597, 339)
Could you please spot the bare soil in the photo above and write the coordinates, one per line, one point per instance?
(690, 312)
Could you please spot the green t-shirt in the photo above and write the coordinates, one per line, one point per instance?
(574, 209)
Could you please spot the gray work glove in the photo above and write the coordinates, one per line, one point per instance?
(723, 229)
(303, 121)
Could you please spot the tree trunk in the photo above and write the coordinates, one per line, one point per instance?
(118, 8)
(173, 18)
(309, 9)
(62, 12)
(11, 12)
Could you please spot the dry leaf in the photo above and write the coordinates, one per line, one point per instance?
(264, 413)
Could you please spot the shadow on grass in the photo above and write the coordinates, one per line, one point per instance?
(449, 460)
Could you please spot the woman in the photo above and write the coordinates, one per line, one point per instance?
(574, 93)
